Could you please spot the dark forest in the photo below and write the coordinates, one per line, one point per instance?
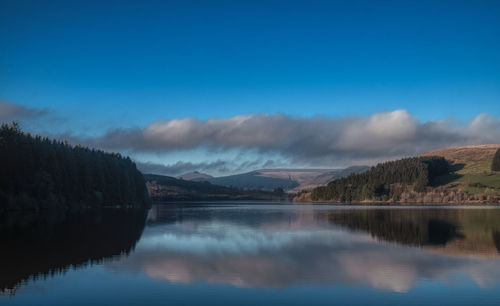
(384, 181)
(40, 173)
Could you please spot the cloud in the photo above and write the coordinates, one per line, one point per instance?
(11, 111)
(218, 166)
(318, 140)
(181, 167)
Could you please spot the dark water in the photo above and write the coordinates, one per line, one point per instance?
(242, 254)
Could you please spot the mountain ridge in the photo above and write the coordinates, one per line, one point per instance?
(291, 180)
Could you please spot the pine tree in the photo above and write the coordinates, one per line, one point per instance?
(495, 165)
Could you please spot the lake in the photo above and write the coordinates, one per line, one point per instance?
(252, 254)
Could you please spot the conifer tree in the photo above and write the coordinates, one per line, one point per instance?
(495, 165)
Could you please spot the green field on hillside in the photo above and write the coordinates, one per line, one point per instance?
(474, 178)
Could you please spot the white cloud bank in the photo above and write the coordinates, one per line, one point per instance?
(279, 139)
(315, 141)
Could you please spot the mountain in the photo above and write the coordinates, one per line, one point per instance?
(253, 180)
(166, 188)
(458, 175)
(195, 175)
(291, 180)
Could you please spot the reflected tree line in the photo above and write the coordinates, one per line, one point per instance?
(496, 240)
(409, 227)
(49, 243)
(477, 231)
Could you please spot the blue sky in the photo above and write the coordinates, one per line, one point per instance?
(99, 65)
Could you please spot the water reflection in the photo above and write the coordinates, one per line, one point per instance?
(42, 244)
(471, 232)
(260, 246)
(496, 240)
(274, 247)
(418, 227)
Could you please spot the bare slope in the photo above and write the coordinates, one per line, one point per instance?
(475, 158)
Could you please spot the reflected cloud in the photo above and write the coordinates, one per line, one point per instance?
(295, 248)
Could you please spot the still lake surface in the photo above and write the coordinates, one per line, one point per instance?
(253, 254)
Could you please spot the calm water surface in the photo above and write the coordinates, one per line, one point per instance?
(246, 254)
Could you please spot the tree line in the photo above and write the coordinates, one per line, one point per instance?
(384, 181)
(415, 227)
(38, 173)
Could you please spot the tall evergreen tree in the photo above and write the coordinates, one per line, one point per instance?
(495, 165)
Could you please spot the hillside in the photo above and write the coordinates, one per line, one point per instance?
(40, 173)
(470, 170)
(468, 155)
(166, 188)
(290, 180)
(468, 179)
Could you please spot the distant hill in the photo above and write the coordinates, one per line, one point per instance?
(291, 180)
(253, 180)
(166, 188)
(467, 178)
(195, 175)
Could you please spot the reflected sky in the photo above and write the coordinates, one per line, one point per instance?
(292, 247)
